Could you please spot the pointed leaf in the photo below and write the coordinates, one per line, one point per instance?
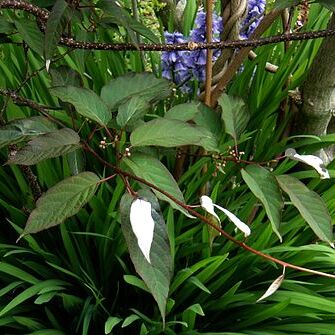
(30, 34)
(272, 288)
(265, 187)
(62, 201)
(65, 76)
(183, 112)
(156, 275)
(281, 4)
(235, 220)
(153, 171)
(311, 160)
(144, 85)
(54, 144)
(131, 111)
(76, 161)
(24, 129)
(111, 322)
(54, 28)
(119, 16)
(234, 115)
(330, 4)
(172, 133)
(85, 101)
(310, 205)
(207, 204)
(142, 225)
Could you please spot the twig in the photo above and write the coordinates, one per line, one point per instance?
(204, 219)
(18, 100)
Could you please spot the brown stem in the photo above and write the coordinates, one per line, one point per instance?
(238, 59)
(204, 219)
(18, 100)
(209, 54)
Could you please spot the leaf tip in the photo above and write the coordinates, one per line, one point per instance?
(47, 64)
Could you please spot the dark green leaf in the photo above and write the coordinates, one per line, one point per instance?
(282, 4)
(172, 133)
(209, 119)
(57, 143)
(30, 34)
(156, 275)
(131, 111)
(120, 17)
(61, 202)
(330, 4)
(5, 26)
(153, 171)
(310, 205)
(145, 85)
(86, 102)
(25, 129)
(76, 161)
(265, 187)
(65, 76)
(234, 115)
(54, 28)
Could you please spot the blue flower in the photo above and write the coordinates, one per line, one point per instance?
(255, 10)
(183, 67)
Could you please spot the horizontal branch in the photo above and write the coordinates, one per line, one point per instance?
(21, 101)
(43, 16)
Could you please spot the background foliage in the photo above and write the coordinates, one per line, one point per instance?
(78, 277)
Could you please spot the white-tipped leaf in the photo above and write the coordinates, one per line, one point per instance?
(47, 64)
(207, 204)
(235, 220)
(272, 288)
(311, 160)
(142, 225)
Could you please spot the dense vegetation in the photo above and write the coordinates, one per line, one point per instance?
(113, 152)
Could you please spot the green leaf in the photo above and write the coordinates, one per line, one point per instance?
(120, 17)
(330, 4)
(265, 187)
(30, 34)
(145, 85)
(25, 295)
(189, 15)
(183, 112)
(282, 4)
(131, 111)
(156, 275)
(153, 171)
(310, 205)
(86, 103)
(25, 129)
(54, 144)
(197, 309)
(76, 161)
(6, 27)
(111, 322)
(54, 28)
(62, 201)
(209, 119)
(172, 133)
(65, 76)
(234, 115)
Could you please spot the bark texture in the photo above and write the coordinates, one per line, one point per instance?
(318, 91)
